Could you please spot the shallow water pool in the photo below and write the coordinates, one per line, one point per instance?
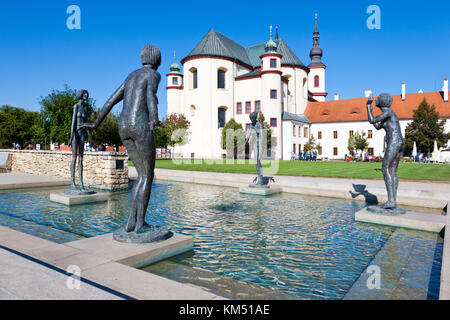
(307, 247)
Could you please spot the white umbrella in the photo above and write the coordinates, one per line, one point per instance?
(435, 155)
(414, 153)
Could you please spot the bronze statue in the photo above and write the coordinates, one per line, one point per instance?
(136, 128)
(76, 141)
(388, 121)
(255, 132)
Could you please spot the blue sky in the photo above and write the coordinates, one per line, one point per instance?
(38, 53)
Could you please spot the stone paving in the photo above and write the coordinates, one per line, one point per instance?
(35, 268)
(26, 180)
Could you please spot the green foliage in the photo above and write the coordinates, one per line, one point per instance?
(108, 131)
(17, 125)
(56, 113)
(175, 127)
(267, 128)
(238, 133)
(357, 142)
(161, 139)
(425, 128)
(310, 145)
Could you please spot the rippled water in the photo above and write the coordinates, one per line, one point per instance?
(309, 247)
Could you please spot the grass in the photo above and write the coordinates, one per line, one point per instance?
(367, 170)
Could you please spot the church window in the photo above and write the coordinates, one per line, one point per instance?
(273, 94)
(192, 109)
(239, 108)
(316, 81)
(273, 122)
(221, 119)
(194, 79)
(293, 130)
(335, 151)
(258, 106)
(293, 148)
(221, 79)
(335, 135)
(369, 134)
(248, 107)
(319, 135)
(174, 80)
(350, 133)
(273, 63)
(305, 132)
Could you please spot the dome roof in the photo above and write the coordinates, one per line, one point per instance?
(316, 51)
(175, 67)
(270, 46)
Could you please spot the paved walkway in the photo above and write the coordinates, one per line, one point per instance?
(25, 180)
(35, 268)
(420, 194)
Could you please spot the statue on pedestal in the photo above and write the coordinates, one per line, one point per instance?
(255, 132)
(136, 128)
(388, 121)
(76, 142)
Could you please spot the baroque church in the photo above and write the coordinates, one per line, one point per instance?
(222, 80)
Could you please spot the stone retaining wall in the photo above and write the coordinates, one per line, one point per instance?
(103, 170)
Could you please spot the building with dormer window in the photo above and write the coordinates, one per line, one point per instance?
(222, 80)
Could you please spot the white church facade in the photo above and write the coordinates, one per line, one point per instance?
(222, 80)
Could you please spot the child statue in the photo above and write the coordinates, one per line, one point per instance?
(255, 132)
(388, 121)
(76, 141)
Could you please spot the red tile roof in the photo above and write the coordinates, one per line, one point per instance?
(346, 110)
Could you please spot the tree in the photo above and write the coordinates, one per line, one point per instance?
(176, 126)
(238, 133)
(357, 142)
(161, 138)
(425, 128)
(56, 113)
(310, 145)
(108, 131)
(17, 126)
(267, 129)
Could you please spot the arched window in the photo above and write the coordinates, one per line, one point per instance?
(316, 81)
(194, 78)
(221, 116)
(192, 110)
(305, 88)
(221, 78)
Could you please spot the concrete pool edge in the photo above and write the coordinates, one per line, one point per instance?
(411, 220)
(444, 293)
(113, 268)
(13, 181)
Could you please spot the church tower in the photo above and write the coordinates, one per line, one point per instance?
(316, 77)
(174, 89)
(271, 91)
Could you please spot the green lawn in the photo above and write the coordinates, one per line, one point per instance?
(370, 170)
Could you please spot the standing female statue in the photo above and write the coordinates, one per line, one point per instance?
(76, 140)
(388, 121)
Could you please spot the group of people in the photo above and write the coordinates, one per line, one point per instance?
(100, 148)
(362, 158)
(305, 156)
